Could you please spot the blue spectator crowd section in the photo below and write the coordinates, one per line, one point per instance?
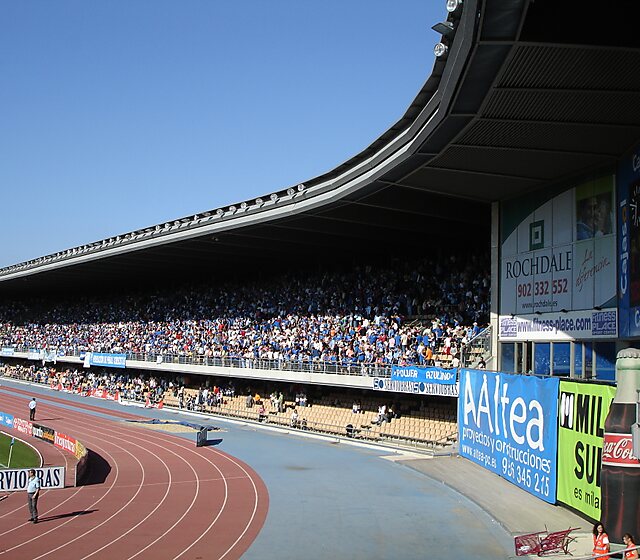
(404, 312)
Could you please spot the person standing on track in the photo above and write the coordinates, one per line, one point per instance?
(32, 409)
(33, 491)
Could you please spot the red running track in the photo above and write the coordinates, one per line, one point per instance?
(155, 495)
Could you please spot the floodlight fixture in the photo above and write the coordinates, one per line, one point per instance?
(440, 50)
(290, 191)
(274, 197)
(301, 187)
(243, 206)
(445, 28)
(219, 211)
(259, 202)
(453, 5)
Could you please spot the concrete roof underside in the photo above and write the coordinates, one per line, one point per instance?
(530, 94)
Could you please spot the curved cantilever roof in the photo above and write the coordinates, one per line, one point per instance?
(529, 94)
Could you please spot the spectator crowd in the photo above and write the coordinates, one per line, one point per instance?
(403, 313)
(131, 386)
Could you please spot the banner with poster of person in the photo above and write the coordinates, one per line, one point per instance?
(558, 257)
(628, 207)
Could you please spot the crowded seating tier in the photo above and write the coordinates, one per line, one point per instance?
(421, 312)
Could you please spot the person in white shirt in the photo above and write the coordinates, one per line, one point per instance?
(32, 409)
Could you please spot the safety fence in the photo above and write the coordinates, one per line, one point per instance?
(62, 441)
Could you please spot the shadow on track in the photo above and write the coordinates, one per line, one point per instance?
(65, 515)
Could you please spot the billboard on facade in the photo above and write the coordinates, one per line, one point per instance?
(582, 410)
(572, 325)
(558, 255)
(508, 424)
(628, 209)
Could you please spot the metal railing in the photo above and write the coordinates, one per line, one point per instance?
(479, 346)
(295, 366)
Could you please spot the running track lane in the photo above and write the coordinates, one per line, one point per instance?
(162, 498)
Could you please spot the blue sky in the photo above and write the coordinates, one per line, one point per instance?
(117, 115)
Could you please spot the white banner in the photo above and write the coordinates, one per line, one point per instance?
(559, 256)
(573, 325)
(15, 480)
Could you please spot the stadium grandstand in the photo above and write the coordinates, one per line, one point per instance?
(409, 255)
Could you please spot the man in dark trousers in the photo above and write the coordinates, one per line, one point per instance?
(33, 491)
(32, 409)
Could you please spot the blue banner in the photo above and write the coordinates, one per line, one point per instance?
(628, 189)
(7, 351)
(508, 424)
(424, 374)
(108, 360)
(6, 420)
(415, 387)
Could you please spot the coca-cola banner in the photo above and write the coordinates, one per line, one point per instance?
(507, 424)
(617, 451)
(582, 411)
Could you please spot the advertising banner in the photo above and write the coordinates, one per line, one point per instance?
(628, 207)
(107, 360)
(49, 356)
(415, 387)
(7, 419)
(15, 480)
(582, 411)
(23, 426)
(65, 442)
(508, 424)
(44, 433)
(573, 325)
(424, 374)
(104, 394)
(559, 255)
(7, 351)
(81, 450)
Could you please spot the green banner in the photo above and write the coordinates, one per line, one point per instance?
(582, 411)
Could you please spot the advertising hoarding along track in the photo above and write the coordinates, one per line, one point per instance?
(583, 408)
(508, 425)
